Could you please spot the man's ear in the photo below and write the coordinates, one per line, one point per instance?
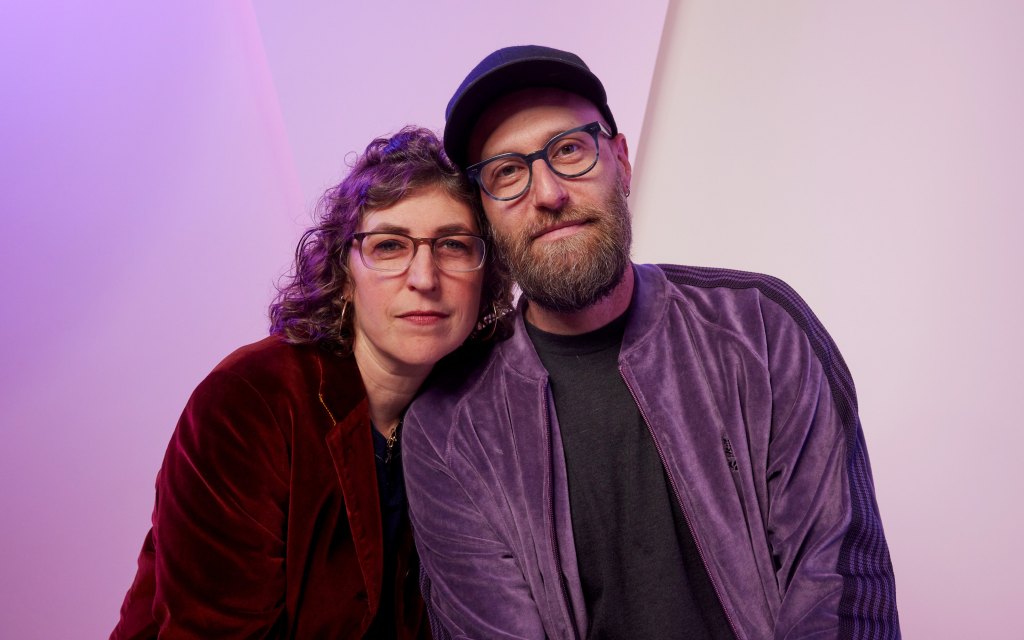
(621, 149)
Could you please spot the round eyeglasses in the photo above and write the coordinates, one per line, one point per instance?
(569, 154)
(454, 252)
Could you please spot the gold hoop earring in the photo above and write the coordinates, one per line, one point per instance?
(344, 310)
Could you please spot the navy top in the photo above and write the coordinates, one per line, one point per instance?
(391, 488)
(639, 568)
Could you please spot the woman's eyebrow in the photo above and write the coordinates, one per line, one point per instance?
(387, 227)
(454, 228)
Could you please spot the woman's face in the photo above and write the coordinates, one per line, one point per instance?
(406, 321)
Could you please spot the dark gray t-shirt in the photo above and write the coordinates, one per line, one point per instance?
(641, 574)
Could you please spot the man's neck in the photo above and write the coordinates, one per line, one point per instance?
(593, 317)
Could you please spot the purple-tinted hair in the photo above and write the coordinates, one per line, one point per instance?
(308, 306)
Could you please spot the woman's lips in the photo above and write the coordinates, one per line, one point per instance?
(423, 317)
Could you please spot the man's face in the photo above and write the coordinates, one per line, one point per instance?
(565, 241)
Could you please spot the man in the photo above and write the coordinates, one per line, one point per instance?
(657, 451)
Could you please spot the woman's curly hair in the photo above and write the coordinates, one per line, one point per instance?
(309, 304)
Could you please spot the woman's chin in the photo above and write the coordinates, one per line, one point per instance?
(417, 355)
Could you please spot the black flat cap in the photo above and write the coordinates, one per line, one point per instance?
(511, 69)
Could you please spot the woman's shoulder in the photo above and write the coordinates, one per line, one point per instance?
(273, 381)
(262, 354)
(274, 364)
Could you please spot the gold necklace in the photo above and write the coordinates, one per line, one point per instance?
(392, 439)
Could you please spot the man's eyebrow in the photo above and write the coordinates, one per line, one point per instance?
(559, 131)
(549, 135)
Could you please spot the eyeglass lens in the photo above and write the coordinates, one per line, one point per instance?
(394, 252)
(569, 155)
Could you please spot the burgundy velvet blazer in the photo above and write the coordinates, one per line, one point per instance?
(267, 520)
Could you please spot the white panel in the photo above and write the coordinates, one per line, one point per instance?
(871, 154)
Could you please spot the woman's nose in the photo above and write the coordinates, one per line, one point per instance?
(422, 273)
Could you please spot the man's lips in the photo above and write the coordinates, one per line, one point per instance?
(560, 229)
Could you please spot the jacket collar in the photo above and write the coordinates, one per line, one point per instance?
(340, 386)
(650, 298)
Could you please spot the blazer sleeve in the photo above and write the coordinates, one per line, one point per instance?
(220, 514)
(832, 563)
(474, 587)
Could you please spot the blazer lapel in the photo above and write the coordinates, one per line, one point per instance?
(350, 443)
(351, 449)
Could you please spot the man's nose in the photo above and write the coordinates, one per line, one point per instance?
(548, 189)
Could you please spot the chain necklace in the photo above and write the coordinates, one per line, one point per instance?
(392, 439)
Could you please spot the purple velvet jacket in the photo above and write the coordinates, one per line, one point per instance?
(267, 521)
(754, 415)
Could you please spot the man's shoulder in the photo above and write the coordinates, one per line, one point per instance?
(719, 293)
(758, 308)
(724, 280)
(457, 373)
(468, 373)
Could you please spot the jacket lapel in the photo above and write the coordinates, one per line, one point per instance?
(350, 443)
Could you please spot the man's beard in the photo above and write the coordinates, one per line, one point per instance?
(573, 273)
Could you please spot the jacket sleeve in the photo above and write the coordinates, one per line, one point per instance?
(832, 563)
(474, 587)
(217, 541)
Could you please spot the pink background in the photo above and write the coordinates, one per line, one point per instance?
(159, 163)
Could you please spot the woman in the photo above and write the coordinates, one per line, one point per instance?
(280, 509)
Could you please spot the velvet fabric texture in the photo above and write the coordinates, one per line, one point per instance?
(267, 520)
(754, 416)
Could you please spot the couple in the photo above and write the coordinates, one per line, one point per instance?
(636, 452)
